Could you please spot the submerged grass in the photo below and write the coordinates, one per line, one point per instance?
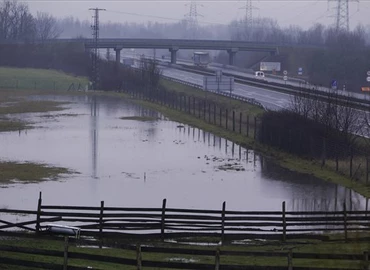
(11, 125)
(28, 172)
(139, 118)
(31, 107)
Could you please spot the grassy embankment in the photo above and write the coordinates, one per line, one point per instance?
(14, 101)
(302, 246)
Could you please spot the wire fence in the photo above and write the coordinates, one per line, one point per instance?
(42, 84)
(351, 161)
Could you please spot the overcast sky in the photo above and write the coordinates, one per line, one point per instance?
(298, 12)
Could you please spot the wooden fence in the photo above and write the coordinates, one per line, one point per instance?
(288, 256)
(165, 222)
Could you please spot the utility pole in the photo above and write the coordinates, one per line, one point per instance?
(192, 19)
(342, 14)
(95, 56)
(248, 19)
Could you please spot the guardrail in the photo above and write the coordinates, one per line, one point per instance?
(226, 94)
(289, 89)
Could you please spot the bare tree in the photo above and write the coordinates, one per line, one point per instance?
(16, 22)
(46, 26)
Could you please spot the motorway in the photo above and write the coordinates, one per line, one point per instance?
(271, 100)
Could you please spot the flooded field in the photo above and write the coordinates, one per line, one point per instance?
(133, 163)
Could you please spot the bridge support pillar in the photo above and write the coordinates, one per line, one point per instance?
(232, 52)
(118, 56)
(173, 55)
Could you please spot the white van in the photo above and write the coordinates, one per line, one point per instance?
(260, 74)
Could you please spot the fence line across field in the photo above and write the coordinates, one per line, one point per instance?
(139, 263)
(165, 222)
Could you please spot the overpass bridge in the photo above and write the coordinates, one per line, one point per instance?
(173, 45)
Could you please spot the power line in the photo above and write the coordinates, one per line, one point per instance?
(342, 14)
(95, 56)
(192, 19)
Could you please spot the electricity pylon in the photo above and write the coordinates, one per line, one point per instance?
(342, 14)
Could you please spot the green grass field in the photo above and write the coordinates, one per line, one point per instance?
(302, 246)
(38, 79)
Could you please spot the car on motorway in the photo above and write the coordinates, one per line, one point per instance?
(259, 74)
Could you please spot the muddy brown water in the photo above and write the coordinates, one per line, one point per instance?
(133, 163)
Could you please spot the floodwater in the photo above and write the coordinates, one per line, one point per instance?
(131, 163)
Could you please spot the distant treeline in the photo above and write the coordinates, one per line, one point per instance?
(70, 58)
(344, 60)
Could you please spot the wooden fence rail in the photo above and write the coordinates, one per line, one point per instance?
(173, 221)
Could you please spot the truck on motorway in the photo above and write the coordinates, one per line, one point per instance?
(201, 59)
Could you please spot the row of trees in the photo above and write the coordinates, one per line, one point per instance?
(315, 125)
(18, 24)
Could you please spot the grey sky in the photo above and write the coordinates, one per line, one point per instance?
(302, 13)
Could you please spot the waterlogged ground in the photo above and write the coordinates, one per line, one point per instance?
(126, 160)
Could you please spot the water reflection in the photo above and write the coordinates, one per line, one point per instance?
(94, 134)
(138, 163)
(311, 194)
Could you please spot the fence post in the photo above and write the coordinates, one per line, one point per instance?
(38, 215)
(351, 163)
(209, 112)
(223, 223)
(240, 122)
(227, 118)
(247, 125)
(220, 117)
(284, 221)
(217, 259)
(101, 223)
(193, 105)
(367, 170)
(65, 262)
(204, 109)
(255, 128)
(138, 257)
(199, 109)
(233, 121)
(366, 260)
(290, 260)
(163, 218)
(345, 221)
(189, 105)
(214, 113)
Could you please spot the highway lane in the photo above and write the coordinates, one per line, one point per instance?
(271, 100)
